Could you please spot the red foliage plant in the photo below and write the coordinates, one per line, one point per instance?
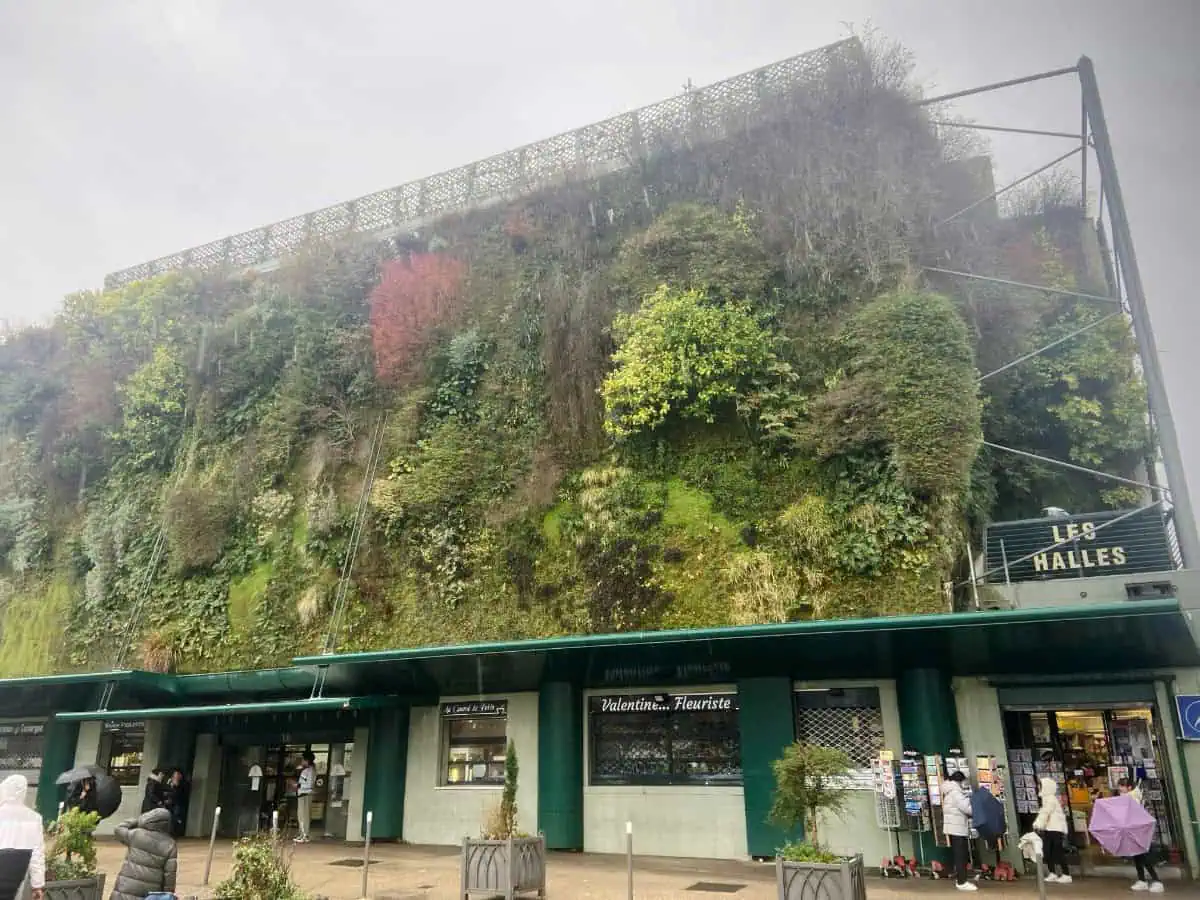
(414, 296)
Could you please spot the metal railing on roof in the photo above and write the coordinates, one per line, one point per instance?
(701, 114)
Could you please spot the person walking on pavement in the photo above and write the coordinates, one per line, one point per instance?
(956, 822)
(1051, 824)
(1141, 862)
(22, 846)
(304, 791)
(151, 862)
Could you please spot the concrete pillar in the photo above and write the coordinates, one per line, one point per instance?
(356, 782)
(205, 787)
(767, 728)
(560, 765)
(87, 743)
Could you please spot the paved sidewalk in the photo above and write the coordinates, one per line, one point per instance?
(401, 872)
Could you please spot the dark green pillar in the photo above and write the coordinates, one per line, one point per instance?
(387, 757)
(767, 727)
(178, 748)
(560, 765)
(928, 723)
(58, 755)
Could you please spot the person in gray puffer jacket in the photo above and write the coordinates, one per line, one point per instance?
(150, 864)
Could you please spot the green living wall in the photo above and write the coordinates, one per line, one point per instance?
(714, 388)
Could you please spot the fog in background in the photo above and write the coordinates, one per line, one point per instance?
(135, 128)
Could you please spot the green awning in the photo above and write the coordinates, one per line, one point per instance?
(45, 694)
(1052, 640)
(227, 709)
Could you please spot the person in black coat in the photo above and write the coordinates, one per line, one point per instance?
(175, 797)
(83, 796)
(156, 797)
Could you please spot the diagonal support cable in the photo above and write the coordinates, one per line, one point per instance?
(1008, 187)
(997, 85)
(329, 644)
(1004, 129)
(1040, 350)
(1073, 467)
(992, 279)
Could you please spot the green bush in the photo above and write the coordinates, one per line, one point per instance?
(71, 848)
(261, 871)
(680, 353)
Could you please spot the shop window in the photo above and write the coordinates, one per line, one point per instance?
(21, 745)
(121, 751)
(665, 739)
(848, 719)
(474, 742)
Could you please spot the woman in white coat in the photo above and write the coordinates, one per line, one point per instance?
(1051, 823)
(956, 823)
(22, 852)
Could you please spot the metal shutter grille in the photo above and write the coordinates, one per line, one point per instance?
(857, 730)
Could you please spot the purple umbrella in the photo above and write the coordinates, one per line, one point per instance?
(1122, 826)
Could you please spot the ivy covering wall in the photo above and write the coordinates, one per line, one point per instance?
(712, 389)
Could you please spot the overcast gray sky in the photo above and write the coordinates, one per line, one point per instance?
(134, 128)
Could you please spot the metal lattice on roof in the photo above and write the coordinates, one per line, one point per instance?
(699, 115)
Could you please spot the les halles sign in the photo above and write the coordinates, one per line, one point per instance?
(1078, 546)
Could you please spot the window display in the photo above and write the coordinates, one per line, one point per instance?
(665, 739)
(474, 742)
(122, 751)
(1086, 751)
(21, 746)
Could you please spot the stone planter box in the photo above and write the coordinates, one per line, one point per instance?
(505, 869)
(79, 889)
(821, 881)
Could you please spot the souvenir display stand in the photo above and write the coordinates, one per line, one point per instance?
(889, 815)
(914, 785)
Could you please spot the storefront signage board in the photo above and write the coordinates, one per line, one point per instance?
(621, 704)
(117, 726)
(8, 729)
(1083, 546)
(1188, 707)
(475, 709)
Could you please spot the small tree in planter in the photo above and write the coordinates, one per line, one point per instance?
(71, 858)
(261, 871)
(811, 781)
(504, 861)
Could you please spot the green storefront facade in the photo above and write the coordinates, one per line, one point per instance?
(412, 735)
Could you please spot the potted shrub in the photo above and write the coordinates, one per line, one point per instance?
(71, 858)
(811, 782)
(504, 861)
(261, 871)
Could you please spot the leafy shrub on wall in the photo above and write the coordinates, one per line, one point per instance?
(684, 354)
(414, 296)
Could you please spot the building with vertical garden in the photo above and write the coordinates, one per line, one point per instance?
(650, 448)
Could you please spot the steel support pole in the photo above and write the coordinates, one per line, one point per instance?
(1156, 389)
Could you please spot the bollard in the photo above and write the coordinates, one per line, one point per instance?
(61, 806)
(212, 842)
(367, 853)
(629, 855)
(275, 825)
